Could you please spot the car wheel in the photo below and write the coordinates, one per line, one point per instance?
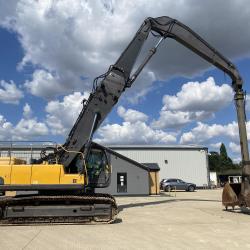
(167, 189)
(191, 188)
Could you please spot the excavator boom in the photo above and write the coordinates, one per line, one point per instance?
(106, 94)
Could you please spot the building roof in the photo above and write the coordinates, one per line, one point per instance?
(152, 166)
(23, 145)
(117, 147)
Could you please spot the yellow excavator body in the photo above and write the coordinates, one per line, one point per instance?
(14, 171)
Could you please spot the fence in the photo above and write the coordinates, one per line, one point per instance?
(24, 150)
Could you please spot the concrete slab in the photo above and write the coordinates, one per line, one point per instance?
(187, 221)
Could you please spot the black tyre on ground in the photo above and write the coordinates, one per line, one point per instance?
(191, 189)
(167, 189)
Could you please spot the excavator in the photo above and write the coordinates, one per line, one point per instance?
(66, 176)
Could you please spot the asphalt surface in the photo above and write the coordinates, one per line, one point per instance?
(188, 221)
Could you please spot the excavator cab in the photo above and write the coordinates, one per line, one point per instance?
(98, 168)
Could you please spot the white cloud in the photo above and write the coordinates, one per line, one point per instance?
(215, 145)
(7, 12)
(133, 130)
(171, 119)
(66, 45)
(5, 129)
(44, 84)
(199, 96)
(62, 115)
(29, 129)
(235, 148)
(142, 86)
(26, 129)
(131, 115)
(27, 112)
(178, 119)
(237, 159)
(78, 41)
(9, 92)
(247, 103)
(195, 102)
(202, 133)
(132, 133)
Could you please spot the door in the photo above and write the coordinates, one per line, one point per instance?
(181, 185)
(121, 182)
(153, 183)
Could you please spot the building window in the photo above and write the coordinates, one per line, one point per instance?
(166, 161)
(121, 182)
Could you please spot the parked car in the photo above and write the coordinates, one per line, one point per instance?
(170, 184)
(161, 183)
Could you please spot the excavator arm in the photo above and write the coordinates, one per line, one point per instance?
(106, 93)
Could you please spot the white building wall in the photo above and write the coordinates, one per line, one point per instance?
(189, 164)
(213, 178)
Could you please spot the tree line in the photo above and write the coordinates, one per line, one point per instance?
(220, 161)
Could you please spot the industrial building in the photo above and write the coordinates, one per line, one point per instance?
(189, 163)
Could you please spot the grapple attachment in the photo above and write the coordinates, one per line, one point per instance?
(231, 195)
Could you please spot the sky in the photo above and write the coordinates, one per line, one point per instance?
(52, 50)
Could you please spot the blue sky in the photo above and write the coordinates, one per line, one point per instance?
(50, 54)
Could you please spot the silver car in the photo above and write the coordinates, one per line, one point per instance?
(169, 184)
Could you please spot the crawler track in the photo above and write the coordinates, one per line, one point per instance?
(61, 209)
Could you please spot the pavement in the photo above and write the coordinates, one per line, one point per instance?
(188, 221)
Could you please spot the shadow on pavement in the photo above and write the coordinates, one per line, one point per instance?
(142, 204)
(237, 210)
(117, 221)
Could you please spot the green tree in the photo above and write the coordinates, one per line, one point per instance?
(225, 161)
(214, 161)
(223, 151)
(220, 162)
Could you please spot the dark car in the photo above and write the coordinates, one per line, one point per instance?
(170, 184)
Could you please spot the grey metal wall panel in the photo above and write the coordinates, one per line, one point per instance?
(137, 178)
(187, 164)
